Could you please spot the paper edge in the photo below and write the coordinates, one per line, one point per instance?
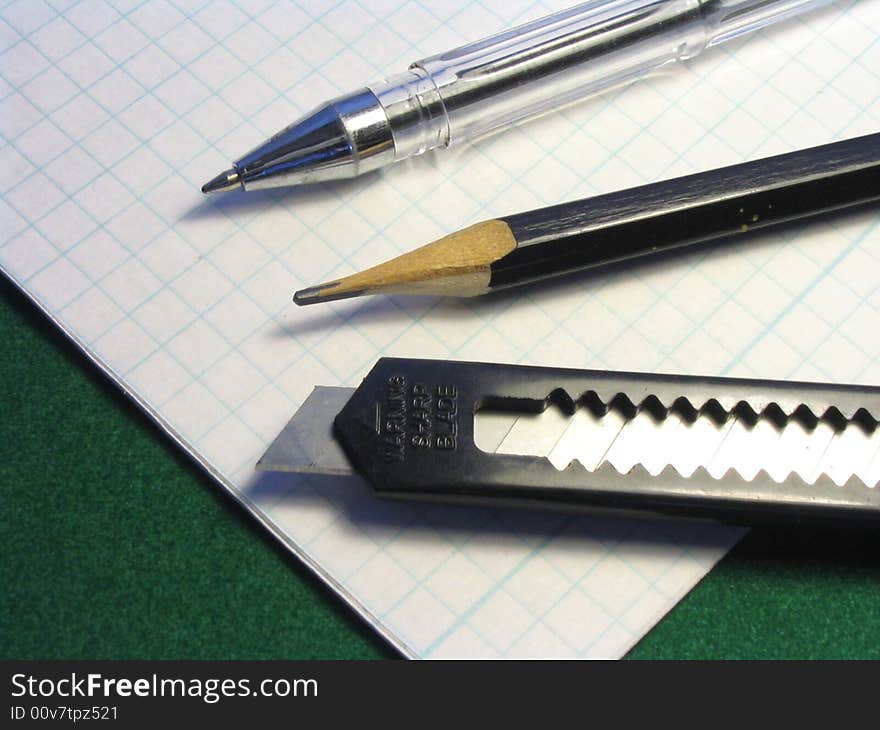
(234, 492)
(276, 532)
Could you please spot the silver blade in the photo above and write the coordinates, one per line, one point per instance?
(306, 444)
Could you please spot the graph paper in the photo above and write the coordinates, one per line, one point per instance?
(113, 114)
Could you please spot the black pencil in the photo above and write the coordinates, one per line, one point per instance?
(734, 201)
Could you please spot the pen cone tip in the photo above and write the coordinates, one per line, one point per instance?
(227, 180)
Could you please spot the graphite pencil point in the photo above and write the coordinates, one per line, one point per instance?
(322, 293)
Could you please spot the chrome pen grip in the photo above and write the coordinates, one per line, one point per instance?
(543, 65)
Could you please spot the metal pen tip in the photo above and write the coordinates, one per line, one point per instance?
(322, 293)
(228, 180)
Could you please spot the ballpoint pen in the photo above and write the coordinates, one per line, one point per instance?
(485, 86)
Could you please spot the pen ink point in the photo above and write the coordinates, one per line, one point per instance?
(227, 180)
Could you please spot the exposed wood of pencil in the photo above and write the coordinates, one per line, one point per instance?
(457, 265)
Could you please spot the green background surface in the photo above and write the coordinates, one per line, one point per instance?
(115, 546)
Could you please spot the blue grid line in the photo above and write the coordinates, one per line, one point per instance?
(812, 285)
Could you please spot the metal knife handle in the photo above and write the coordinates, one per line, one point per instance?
(409, 430)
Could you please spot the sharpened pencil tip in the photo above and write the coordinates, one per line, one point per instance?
(306, 296)
(323, 293)
(456, 265)
(227, 180)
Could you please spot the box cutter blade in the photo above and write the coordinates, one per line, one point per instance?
(408, 429)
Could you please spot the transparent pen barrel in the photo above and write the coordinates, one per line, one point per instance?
(726, 19)
(546, 64)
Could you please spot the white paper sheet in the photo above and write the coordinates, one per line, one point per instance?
(113, 114)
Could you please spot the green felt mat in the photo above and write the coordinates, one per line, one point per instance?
(115, 546)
